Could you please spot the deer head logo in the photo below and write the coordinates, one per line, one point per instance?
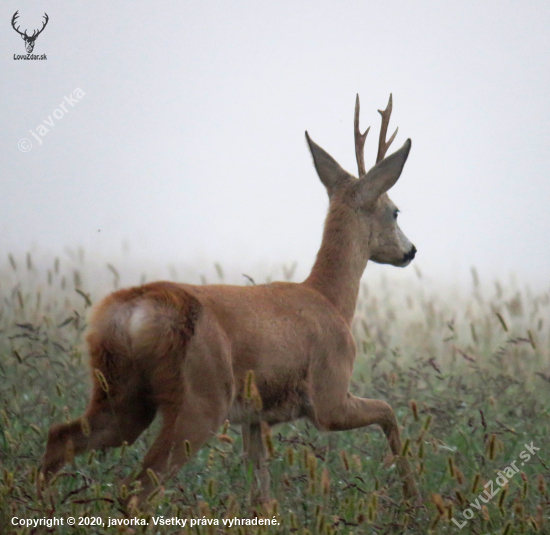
(29, 39)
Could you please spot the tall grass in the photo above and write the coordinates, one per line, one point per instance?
(467, 373)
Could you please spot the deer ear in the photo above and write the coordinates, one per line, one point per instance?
(328, 169)
(383, 175)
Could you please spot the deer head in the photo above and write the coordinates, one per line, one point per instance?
(29, 39)
(363, 202)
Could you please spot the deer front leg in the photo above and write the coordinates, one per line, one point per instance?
(255, 453)
(353, 412)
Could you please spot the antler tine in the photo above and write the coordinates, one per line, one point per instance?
(359, 140)
(14, 20)
(384, 145)
(38, 32)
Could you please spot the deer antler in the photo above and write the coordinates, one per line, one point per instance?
(35, 33)
(13, 21)
(359, 140)
(384, 145)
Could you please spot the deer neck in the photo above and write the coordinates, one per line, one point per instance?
(341, 261)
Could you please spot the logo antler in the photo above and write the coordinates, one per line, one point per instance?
(29, 39)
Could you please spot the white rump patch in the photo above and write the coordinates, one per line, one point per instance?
(137, 320)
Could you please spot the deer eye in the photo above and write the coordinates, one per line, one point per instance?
(395, 214)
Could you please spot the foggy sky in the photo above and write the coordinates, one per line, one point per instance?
(188, 144)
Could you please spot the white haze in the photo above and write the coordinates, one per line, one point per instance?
(188, 146)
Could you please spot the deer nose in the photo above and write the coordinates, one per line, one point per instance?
(410, 255)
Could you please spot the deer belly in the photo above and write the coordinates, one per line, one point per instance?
(272, 403)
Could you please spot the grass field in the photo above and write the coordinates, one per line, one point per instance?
(467, 374)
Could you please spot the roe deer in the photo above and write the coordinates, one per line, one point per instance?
(256, 355)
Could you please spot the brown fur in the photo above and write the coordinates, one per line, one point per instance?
(186, 350)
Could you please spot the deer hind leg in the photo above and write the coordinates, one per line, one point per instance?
(184, 430)
(194, 403)
(353, 412)
(121, 407)
(256, 455)
(108, 422)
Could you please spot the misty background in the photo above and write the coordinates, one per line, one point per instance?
(188, 146)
